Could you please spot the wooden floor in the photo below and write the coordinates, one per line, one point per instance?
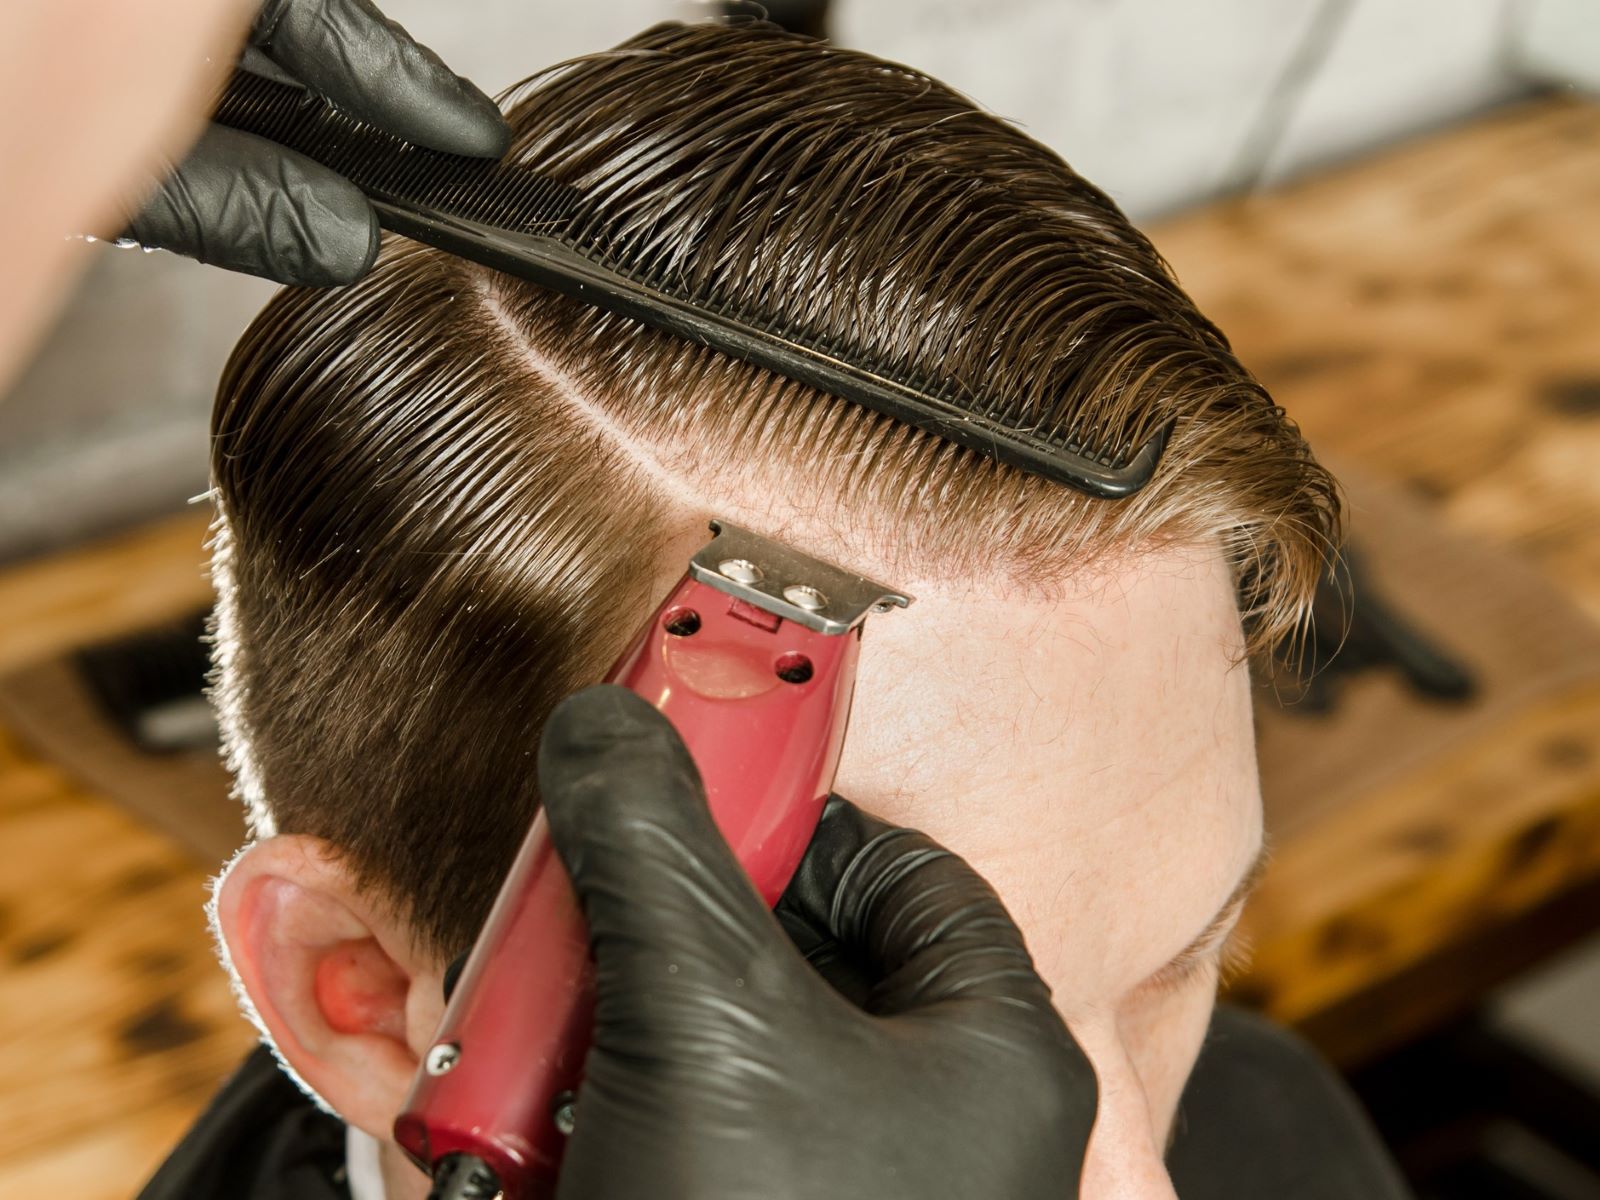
(118, 1022)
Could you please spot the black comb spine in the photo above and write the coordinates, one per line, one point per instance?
(551, 264)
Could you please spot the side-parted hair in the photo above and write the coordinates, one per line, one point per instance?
(443, 493)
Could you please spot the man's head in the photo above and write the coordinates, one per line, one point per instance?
(447, 498)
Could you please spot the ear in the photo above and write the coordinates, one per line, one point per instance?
(332, 974)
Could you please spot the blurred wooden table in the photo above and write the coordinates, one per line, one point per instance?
(1429, 313)
(1433, 315)
(118, 1023)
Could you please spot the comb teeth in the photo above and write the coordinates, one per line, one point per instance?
(529, 224)
(389, 168)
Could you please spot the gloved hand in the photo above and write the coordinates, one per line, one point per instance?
(244, 203)
(724, 1066)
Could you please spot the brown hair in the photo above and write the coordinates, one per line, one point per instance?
(436, 488)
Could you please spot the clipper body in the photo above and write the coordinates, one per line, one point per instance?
(752, 656)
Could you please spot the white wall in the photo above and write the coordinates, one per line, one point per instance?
(1153, 99)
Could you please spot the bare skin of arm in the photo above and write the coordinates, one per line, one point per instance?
(95, 97)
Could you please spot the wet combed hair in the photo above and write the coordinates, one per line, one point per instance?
(436, 488)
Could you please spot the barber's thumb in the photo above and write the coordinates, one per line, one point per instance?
(239, 202)
(628, 816)
(921, 924)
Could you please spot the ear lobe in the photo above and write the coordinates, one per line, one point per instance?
(330, 974)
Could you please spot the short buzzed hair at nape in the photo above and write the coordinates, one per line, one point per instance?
(442, 492)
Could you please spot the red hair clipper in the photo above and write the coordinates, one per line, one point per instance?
(753, 658)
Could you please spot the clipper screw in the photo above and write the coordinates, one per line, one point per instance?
(442, 1058)
(804, 596)
(564, 1112)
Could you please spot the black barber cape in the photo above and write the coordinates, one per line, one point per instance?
(261, 1139)
(1263, 1119)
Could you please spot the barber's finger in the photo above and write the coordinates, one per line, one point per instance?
(827, 957)
(663, 895)
(241, 202)
(925, 926)
(349, 52)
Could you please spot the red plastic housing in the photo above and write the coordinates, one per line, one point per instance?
(762, 704)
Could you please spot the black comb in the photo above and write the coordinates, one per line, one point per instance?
(519, 221)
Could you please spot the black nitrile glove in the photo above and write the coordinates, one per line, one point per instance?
(724, 1066)
(244, 203)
